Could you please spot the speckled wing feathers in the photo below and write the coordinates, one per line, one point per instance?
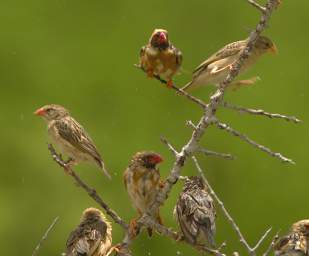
(227, 51)
(74, 133)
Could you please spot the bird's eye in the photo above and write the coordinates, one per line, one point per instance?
(49, 110)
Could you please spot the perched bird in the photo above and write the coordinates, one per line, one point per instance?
(195, 213)
(159, 57)
(216, 68)
(92, 237)
(70, 136)
(142, 182)
(296, 243)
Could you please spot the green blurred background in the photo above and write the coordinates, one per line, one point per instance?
(80, 54)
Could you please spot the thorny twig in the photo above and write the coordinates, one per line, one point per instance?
(44, 237)
(251, 251)
(271, 245)
(257, 5)
(245, 138)
(91, 192)
(261, 112)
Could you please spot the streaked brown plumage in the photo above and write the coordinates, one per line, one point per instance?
(92, 237)
(296, 243)
(216, 68)
(70, 136)
(160, 57)
(142, 181)
(195, 212)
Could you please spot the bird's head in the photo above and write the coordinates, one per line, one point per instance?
(92, 213)
(194, 182)
(264, 44)
(147, 159)
(51, 112)
(301, 226)
(159, 39)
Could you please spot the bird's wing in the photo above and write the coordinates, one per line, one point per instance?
(227, 51)
(184, 210)
(85, 239)
(178, 55)
(74, 133)
(125, 178)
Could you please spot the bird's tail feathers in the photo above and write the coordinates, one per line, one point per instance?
(102, 166)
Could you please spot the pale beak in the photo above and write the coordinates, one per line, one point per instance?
(40, 112)
(273, 49)
(163, 38)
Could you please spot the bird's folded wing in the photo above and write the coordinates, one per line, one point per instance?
(75, 134)
(225, 52)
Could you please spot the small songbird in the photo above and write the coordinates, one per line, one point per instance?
(195, 213)
(296, 243)
(159, 57)
(142, 182)
(92, 237)
(70, 136)
(216, 68)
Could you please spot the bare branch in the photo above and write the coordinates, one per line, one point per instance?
(225, 212)
(190, 124)
(91, 192)
(213, 153)
(271, 245)
(256, 5)
(169, 145)
(261, 239)
(162, 230)
(245, 138)
(251, 251)
(44, 237)
(260, 112)
(180, 91)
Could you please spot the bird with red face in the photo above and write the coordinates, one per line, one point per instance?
(159, 57)
(142, 182)
(70, 136)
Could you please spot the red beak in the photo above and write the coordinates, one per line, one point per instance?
(162, 38)
(40, 112)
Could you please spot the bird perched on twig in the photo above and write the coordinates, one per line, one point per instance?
(142, 182)
(92, 237)
(195, 212)
(216, 68)
(296, 243)
(70, 136)
(159, 57)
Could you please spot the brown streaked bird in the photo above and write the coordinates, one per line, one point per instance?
(216, 68)
(70, 136)
(142, 182)
(296, 243)
(195, 213)
(92, 237)
(159, 57)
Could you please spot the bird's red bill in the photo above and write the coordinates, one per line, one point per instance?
(156, 159)
(162, 38)
(40, 112)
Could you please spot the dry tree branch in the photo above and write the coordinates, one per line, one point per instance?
(245, 138)
(213, 153)
(44, 237)
(91, 192)
(261, 112)
(271, 245)
(257, 5)
(206, 120)
(209, 114)
(180, 91)
(251, 251)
